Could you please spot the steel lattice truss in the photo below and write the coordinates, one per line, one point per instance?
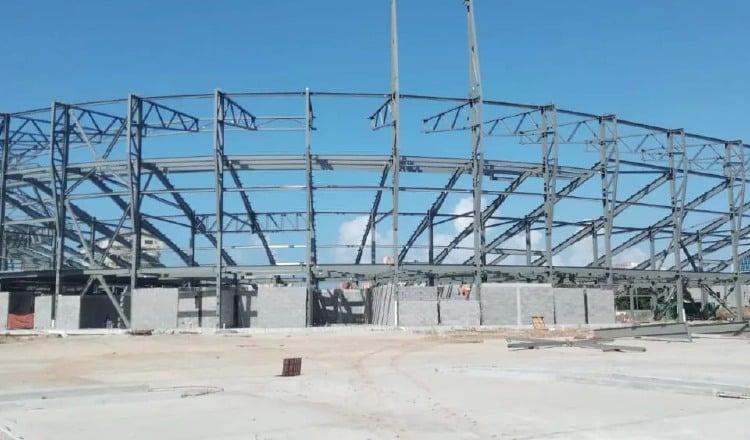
(82, 185)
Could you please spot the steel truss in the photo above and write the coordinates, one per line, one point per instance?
(53, 239)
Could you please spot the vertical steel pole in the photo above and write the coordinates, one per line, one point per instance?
(4, 157)
(135, 143)
(477, 144)
(549, 169)
(59, 150)
(610, 167)
(678, 168)
(310, 251)
(734, 170)
(219, 187)
(396, 150)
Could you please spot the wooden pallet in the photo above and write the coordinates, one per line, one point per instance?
(538, 323)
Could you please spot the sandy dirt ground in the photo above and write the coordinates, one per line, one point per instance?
(368, 385)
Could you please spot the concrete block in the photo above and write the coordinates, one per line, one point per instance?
(500, 304)
(536, 300)
(68, 312)
(418, 293)
(600, 306)
(420, 313)
(4, 307)
(43, 312)
(570, 308)
(154, 309)
(281, 307)
(459, 312)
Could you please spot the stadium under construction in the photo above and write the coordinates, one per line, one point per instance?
(306, 190)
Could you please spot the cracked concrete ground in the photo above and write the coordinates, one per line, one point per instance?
(367, 385)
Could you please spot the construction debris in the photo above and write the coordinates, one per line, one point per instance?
(292, 367)
(585, 343)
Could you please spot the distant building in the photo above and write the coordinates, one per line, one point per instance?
(150, 246)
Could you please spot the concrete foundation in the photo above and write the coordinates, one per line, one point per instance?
(4, 307)
(280, 307)
(570, 308)
(43, 312)
(154, 309)
(459, 313)
(420, 313)
(600, 305)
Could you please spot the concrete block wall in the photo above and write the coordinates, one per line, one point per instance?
(154, 308)
(4, 307)
(280, 307)
(536, 300)
(459, 312)
(68, 312)
(418, 293)
(43, 312)
(500, 304)
(600, 305)
(417, 313)
(570, 307)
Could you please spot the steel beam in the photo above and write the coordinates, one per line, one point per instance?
(396, 151)
(678, 164)
(370, 226)
(426, 221)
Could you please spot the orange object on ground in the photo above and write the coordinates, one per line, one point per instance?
(20, 322)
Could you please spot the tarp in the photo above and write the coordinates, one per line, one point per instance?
(18, 322)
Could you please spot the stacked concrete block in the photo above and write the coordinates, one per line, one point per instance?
(68, 312)
(460, 312)
(281, 307)
(500, 305)
(600, 305)
(570, 307)
(418, 293)
(154, 309)
(419, 313)
(382, 305)
(196, 307)
(43, 312)
(4, 307)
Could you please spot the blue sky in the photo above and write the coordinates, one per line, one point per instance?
(670, 63)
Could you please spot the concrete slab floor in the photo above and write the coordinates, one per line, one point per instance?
(359, 385)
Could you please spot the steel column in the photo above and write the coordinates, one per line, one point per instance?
(59, 151)
(734, 170)
(610, 163)
(310, 251)
(549, 171)
(219, 116)
(4, 157)
(135, 143)
(678, 165)
(477, 153)
(396, 151)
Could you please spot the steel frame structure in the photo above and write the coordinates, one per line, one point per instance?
(42, 192)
